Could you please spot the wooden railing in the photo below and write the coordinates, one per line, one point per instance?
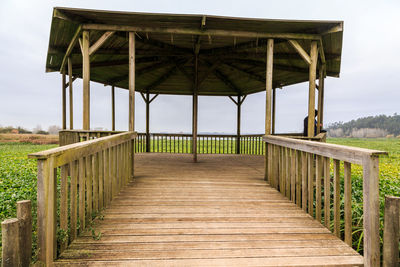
(67, 137)
(301, 171)
(91, 174)
(251, 144)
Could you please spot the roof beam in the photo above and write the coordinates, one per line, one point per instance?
(100, 42)
(71, 46)
(162, 45)
(248, 73)
(249, 34)
(301, 51)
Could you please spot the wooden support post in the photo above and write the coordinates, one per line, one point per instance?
(131, 81)
(24, 216)
(113, 108)
(311, 91)
(268, 96)
(321, 98)
(86, 80)
(273, 109)
(10, 253)
(371, 211)
(195, 107)
(64, 101)
(391, 232)
(71, 95)
(147, 122)
(268, 85)
(239, 107)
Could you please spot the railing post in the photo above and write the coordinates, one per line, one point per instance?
(391, 233)
(10, 252)
(46, 213)
(24, 215)
(371, 211)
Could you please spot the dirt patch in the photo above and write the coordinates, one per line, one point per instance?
(42, 139)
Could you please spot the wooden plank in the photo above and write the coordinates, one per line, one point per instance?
(100, 42)
(318, 188)
(113, 108)
(310, 183)
(89, 189)
(345, 153)
(64, 204)
(327, 193)
(132, 80)
(347, 204)
(268, 84)
(86, 80)
(311, 91)
(273, 110)
(336, 197)
(298, 177)
(24, 216)
(293, 175)
(207, 32)
(10, 244)
(73, 200)
(82, 195)
(304, 188)
(301, 51)
(371, 211)
(391, 232)
(95, 173)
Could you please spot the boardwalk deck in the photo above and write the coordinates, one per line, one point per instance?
(218, 212)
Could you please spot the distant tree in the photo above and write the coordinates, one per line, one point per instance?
(54, 129)
(22, 130)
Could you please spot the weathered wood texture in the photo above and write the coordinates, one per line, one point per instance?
(79, 196)
(218, 212)
(391, 232)
(315, 166)
(234, 47)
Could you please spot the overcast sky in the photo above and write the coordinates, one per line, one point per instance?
(369, 82)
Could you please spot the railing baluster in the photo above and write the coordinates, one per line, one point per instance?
(95, 172)
(311, 179)
(336, 197)
(288, 171)
(89, 188)
(74, 198)
(304, 168)
(298, 177)
(327, 193)
(81, 194)
(318, 190)
(101, 179)
(64, 204)
(347, 204)
(293, 175)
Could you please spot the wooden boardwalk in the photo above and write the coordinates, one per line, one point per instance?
(218, 212)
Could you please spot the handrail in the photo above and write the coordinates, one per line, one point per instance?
(351, 154)
(301, 171)
(91, 174)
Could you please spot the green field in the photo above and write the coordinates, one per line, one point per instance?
(18, 177)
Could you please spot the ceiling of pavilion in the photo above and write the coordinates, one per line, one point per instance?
(165, 62)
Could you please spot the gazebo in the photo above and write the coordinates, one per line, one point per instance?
(191, 55)
(284, 208)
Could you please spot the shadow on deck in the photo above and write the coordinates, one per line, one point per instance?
(219, 211)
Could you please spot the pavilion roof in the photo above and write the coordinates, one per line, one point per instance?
(232, 51)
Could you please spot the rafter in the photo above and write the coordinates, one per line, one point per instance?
(71, 46)
(227, 81)
(210, 69)
(162, 45)
(100, 42)
(248, 73)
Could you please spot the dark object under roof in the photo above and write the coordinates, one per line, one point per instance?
(232, 51)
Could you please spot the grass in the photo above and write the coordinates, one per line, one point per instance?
(18, 177)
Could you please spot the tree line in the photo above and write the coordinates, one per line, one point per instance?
(372, 126)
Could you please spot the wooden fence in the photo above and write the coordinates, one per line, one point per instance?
(391, 232)
(300, 170)
(91, 174)
(67, 137)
